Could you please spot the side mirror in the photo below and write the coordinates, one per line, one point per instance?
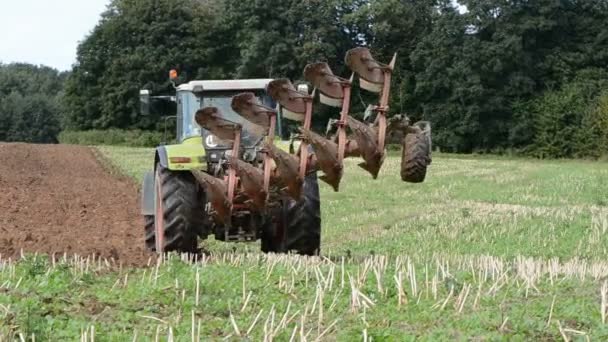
(144, 102)
(198, 90)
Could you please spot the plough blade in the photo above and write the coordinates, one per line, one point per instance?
(211, 119)
(298, 106)
(256, 182)
(288, 168)
(247, 105)
(370, 71)
(252, 181)
(327, 158)
(330, 87)
(375, 77)
(367, 144)
(217, 195)
(333, 91)
(292, 101)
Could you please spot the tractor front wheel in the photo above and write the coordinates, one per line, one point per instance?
(297, 226)
(179, 212)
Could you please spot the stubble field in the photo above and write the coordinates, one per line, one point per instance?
(486, 249)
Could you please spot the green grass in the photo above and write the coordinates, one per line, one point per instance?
(111, 137)
(486, 249)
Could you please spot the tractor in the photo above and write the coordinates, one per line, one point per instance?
(227, 177)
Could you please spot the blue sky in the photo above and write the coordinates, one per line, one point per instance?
(46, 31)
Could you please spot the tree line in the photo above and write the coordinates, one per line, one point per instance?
(30, 103)
(491, 75)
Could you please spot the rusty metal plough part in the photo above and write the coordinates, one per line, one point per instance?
(247, 105)
(289, 170)
(221, 192)
(368, 142)
(374, 77)
(244, 178)
(296, 106)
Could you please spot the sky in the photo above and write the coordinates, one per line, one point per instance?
(46, 31)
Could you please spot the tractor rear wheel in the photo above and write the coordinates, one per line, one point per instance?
(149, 232)
(416, 157)
(179, 212)
(297, 226)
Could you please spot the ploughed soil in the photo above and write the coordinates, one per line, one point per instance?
(57, 199)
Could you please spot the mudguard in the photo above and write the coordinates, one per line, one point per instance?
(189, 155)
(147, 194)
(425, 126)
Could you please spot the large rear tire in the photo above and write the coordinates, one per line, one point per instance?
(297, 226)
(179, 212)
(150, 234)
(416, 157)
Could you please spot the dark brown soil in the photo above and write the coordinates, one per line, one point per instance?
(57, 199)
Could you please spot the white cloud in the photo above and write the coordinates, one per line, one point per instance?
(46, 31)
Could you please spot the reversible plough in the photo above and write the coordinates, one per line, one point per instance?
(251, 186)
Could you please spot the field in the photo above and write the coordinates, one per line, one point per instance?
(487, 249)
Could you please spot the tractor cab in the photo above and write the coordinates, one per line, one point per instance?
(195, 95)
(197, 148)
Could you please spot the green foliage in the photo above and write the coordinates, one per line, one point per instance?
(599, 120)
(112, 137)
(137, 42)
(571, 121)
(277, 38)
(29, 109)
(134, 46)
(593, 135)
(477, 75)
(474, 70)
(397, 27)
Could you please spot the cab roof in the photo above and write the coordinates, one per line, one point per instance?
(218, 85)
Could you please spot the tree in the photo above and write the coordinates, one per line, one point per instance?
(134, 46)
(475, 69)
(391, 27)
(277, 38)
(29, 109)
(572, 121)
(478, 75)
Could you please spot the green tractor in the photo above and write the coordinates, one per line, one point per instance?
(175, 206)
(227, 178)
